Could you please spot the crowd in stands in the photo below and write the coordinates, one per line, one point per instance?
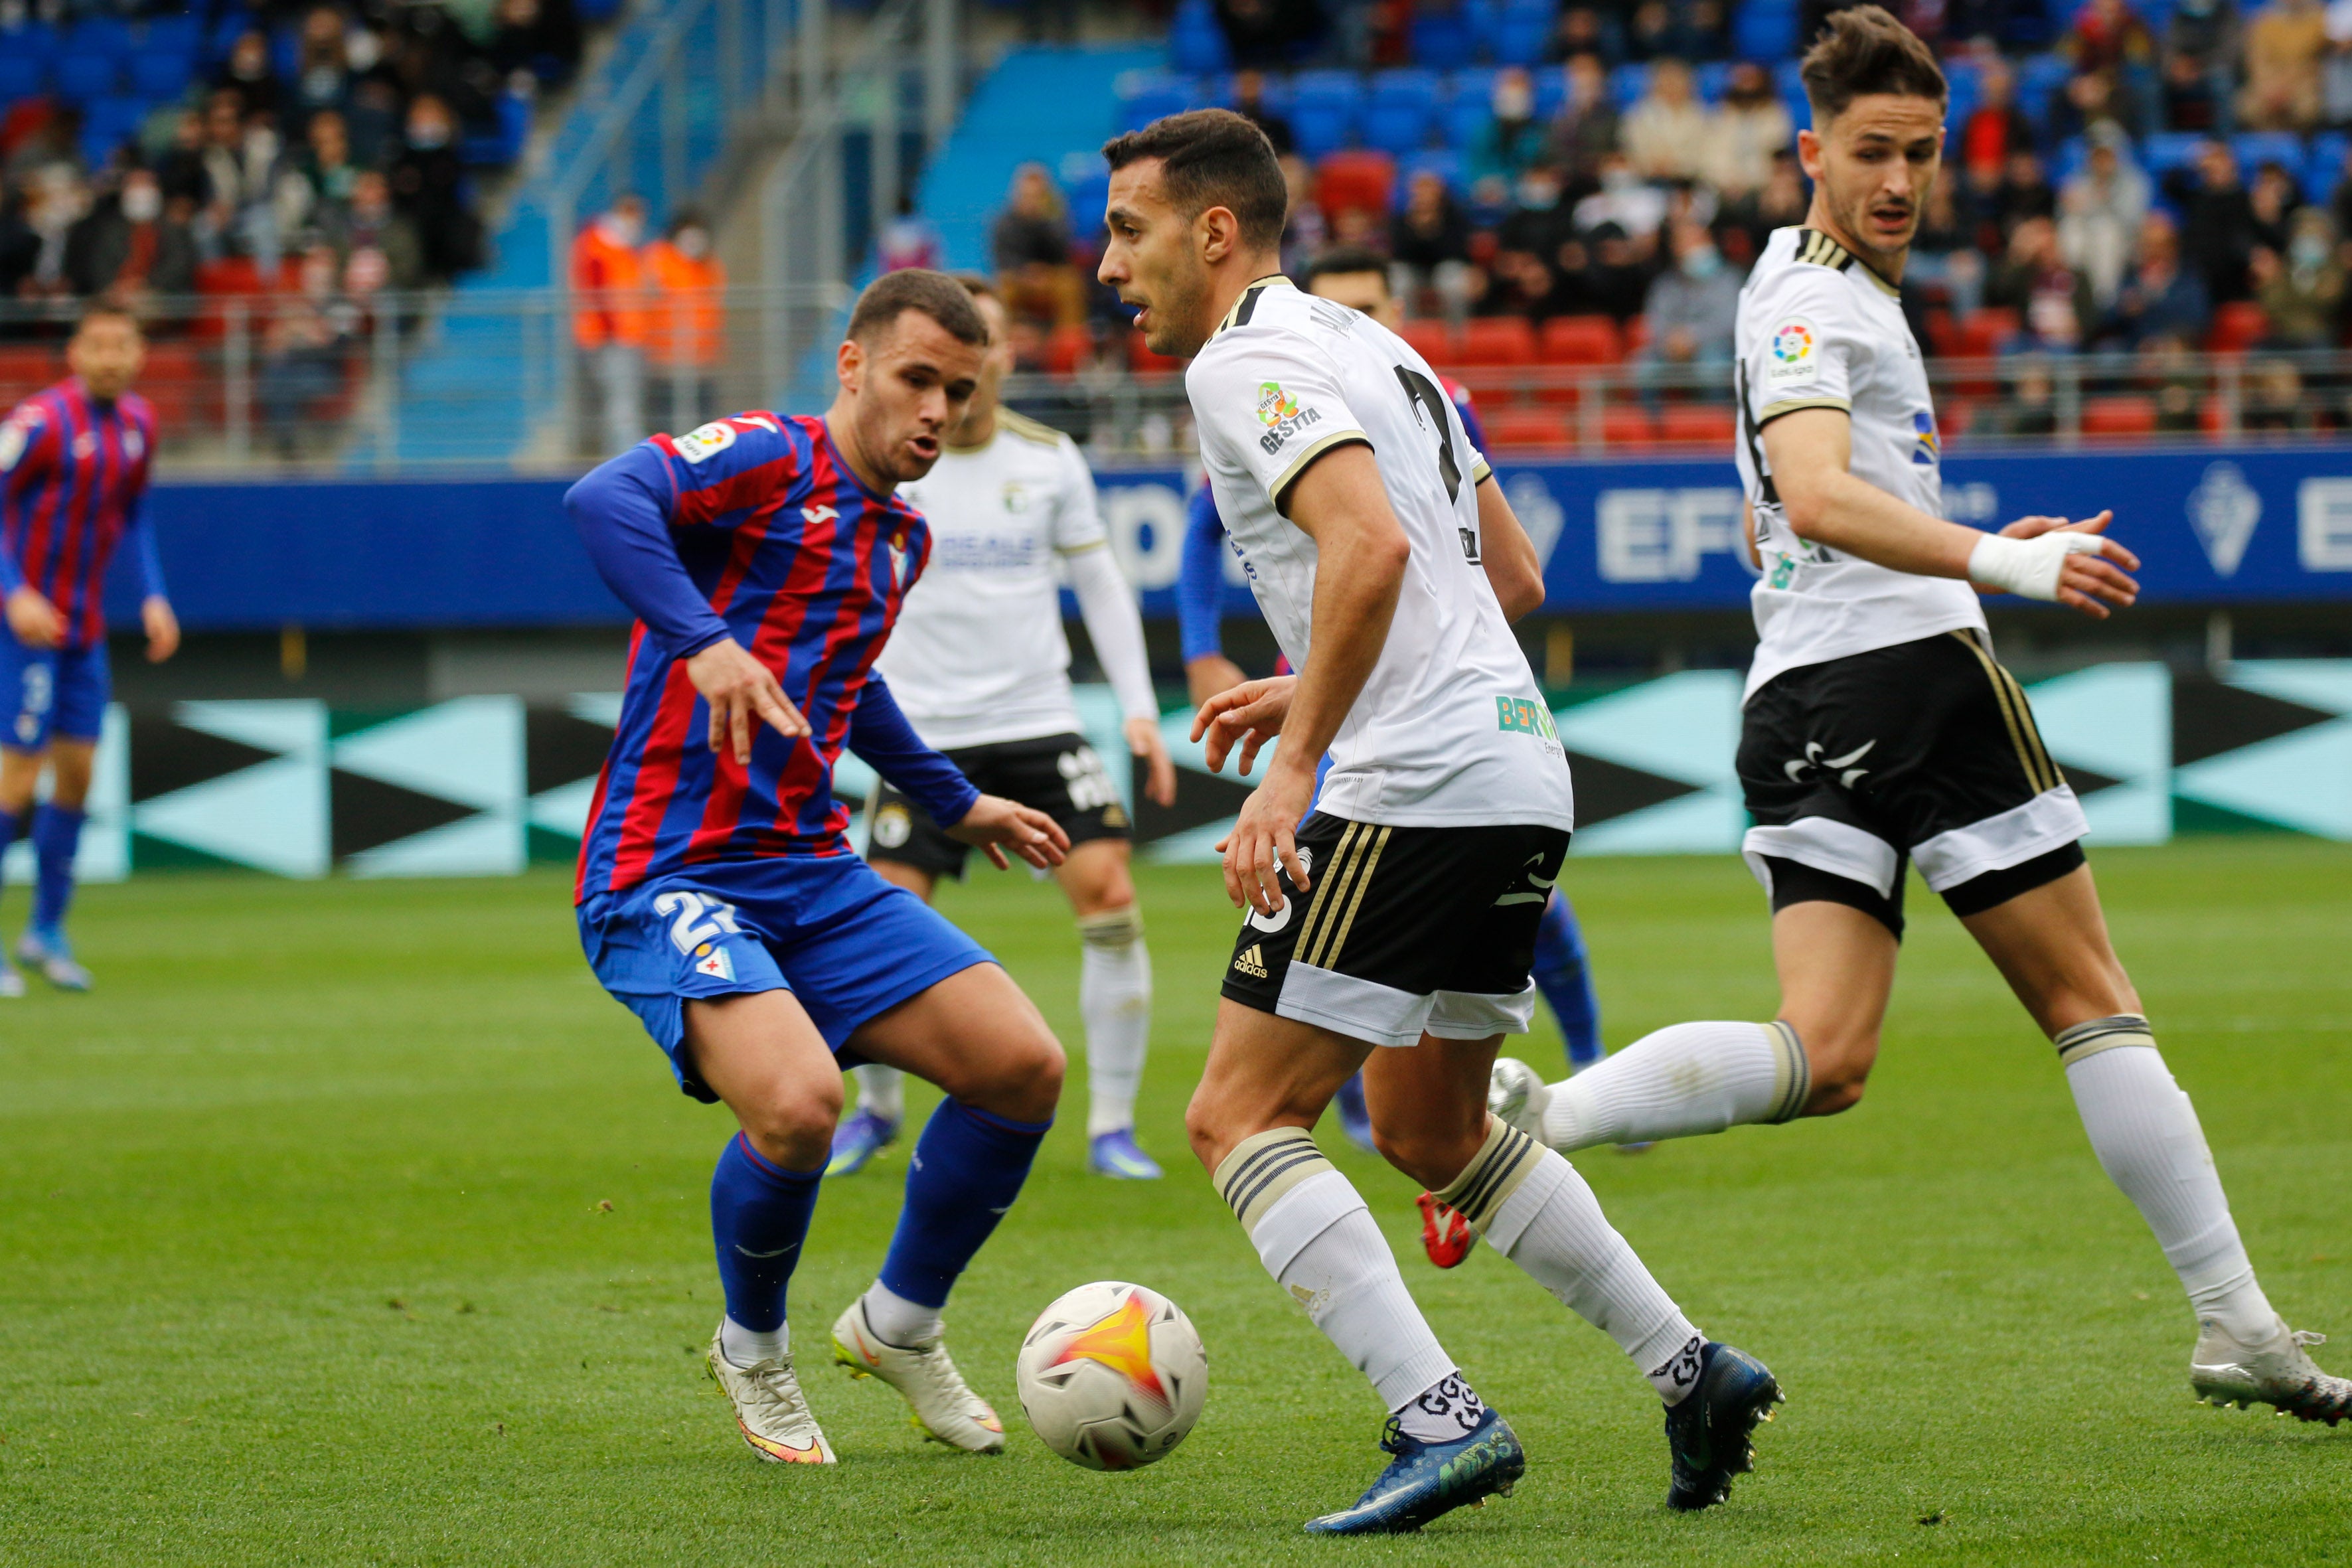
(2151, 178)
(649, 321)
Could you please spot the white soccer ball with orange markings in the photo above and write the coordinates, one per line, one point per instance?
(1112, 1375)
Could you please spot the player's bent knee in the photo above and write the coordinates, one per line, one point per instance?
(792, 1125)
(1433, 1158)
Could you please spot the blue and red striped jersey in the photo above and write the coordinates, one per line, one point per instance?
(752, 527)
(73, 482)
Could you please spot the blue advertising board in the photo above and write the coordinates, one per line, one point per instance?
(2213, 525)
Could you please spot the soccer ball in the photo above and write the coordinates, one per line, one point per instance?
(1112, 1375)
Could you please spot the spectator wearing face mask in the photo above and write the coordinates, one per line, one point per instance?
(427, 186)
(609, 289)
(129, 250)
(1625, 199)
(368, 221)
(1752, 125)
(1691, 308)
(1510, 142)
(687, 328)
(2302, 292)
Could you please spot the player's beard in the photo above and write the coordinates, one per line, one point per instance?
(1178, 329)
(885, 441)
(1855, 218)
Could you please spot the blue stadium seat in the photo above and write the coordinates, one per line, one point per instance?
(1400, 110)
(2038, 81)
(1710, 79)
(1467, 109)
(1968, 91)
(108, 123)
(1442, 161)
(160, 73)
(1765, 30)
(1551, 91)
(2322, 169)
(82, 76)
(1144, 99)
(182, 35)
(1324, 106)
(2256, 148)
(21, 76)
(1443, 40)
(1275, 95)
(1519, 39)
(1485, 16)
(34, 41)
(2169, 149)
(234, 24)
(103, 36)
(1195, 43)
(1627, 84)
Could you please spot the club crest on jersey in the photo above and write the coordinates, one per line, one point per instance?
(1795, 352)
(713, 963)
(898, 543)
(1016, 495)
(697, 445)
(1281, 415)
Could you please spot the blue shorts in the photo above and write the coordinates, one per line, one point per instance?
(46, 692)
(848, 945)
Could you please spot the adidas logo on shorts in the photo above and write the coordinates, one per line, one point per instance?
(1252, 964)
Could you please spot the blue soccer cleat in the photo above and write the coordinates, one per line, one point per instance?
(1354, 1120)
(1707, 1432)
(1426, 1479)
(857, 1140)
(1116, 1155)
(49, 956)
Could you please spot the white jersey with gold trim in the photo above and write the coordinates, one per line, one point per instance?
(1450, 729)
(1818, 328)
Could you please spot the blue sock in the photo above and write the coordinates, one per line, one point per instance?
(967, 1170)
(57, 834)
(11, 825)
(1565, 978)
(759, 1218)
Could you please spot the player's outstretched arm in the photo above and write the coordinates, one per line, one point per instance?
(995, 824)
(879, 732)
(1360, 554)
(1514, 570)
(2054, 560)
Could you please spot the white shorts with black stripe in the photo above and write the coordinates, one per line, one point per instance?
(1925, 751)
(1404, 931)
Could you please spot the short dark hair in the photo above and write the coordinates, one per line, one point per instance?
(935, 294)
(1214, 158)
(1864, 50)
(106, 310)
(1344, 260)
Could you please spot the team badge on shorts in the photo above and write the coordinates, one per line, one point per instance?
(713, 964)
(892, 825)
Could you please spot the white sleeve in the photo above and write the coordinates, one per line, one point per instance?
(1268, 402)
(1077, 515)
(1804, 346)
(1116, 627)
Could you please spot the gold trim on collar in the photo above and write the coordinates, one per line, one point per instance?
(1239, 313)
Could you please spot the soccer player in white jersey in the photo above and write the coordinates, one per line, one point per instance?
(1878, 728)
(981, 668)
(1393, 930)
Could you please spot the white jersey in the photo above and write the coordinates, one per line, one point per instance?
(1819, 330)
(1450, 729)
(979, 655)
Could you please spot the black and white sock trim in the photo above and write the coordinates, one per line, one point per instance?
(1263, 1167)
(2089, 1038)
(1792, 1075)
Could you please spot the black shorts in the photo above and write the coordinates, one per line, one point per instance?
(1925, 752)
(1060, 775)
(1404, 931)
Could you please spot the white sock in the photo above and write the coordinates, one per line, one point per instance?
(1317, 1238)
(742, 1346)
(883, 1092)
(899, 1322)
(2145, 1134)
(1683, 1079)
(1533, 1208)
(1445, 1412)
(1115, 1000)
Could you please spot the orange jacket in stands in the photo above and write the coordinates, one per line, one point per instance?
(687, 321)
(608, 281)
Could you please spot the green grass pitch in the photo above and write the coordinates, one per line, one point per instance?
(349, 1222)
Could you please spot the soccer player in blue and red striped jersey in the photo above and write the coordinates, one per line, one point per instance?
(74, 462)
(766, 559)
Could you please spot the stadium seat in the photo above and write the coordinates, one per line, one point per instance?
(1697, 425)
(2323, 166)
(108, 36)
(108, 124)
(160, 74)
(182, 35)
(1144, 97)
(1711, 79)
(81, 77)
(1401, 112)
(1066, 348)
(1354, 179)
(1144, 362)
(1498, 340)
(2038, 82)
(1442, 161)
(1627, 427)
(1582, 340)
(2169, 149)
(1429, 338)
(1195, 45)
(1520, 35)
(21, 76)
(1442, 40)
(1469, 106)
(1764, 30)
(230, 275)
(1324, 109)
(27, 368)
(1512, 427)
(2256, 148)
(2125, 415)
(2237, 326)
(1983, 331)
(1626, 86)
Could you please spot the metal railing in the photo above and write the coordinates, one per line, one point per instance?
(291, 382)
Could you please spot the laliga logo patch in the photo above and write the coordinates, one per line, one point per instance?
(712, 438)
(1794, 358)
(714, 963)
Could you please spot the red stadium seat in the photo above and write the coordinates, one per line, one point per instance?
(2121, 416)
(1066, 348)
(26, 369)
(1627, 427)
(2237, 327)
(1637, 334)
(1697, 425)
(1357, 177)
(1981, 332)
(1498, 340)
(1582, 340)
(1509, 429)
(1431, 339)
(230, 275)
(1144, 362)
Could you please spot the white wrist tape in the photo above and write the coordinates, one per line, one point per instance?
(2027, 567)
